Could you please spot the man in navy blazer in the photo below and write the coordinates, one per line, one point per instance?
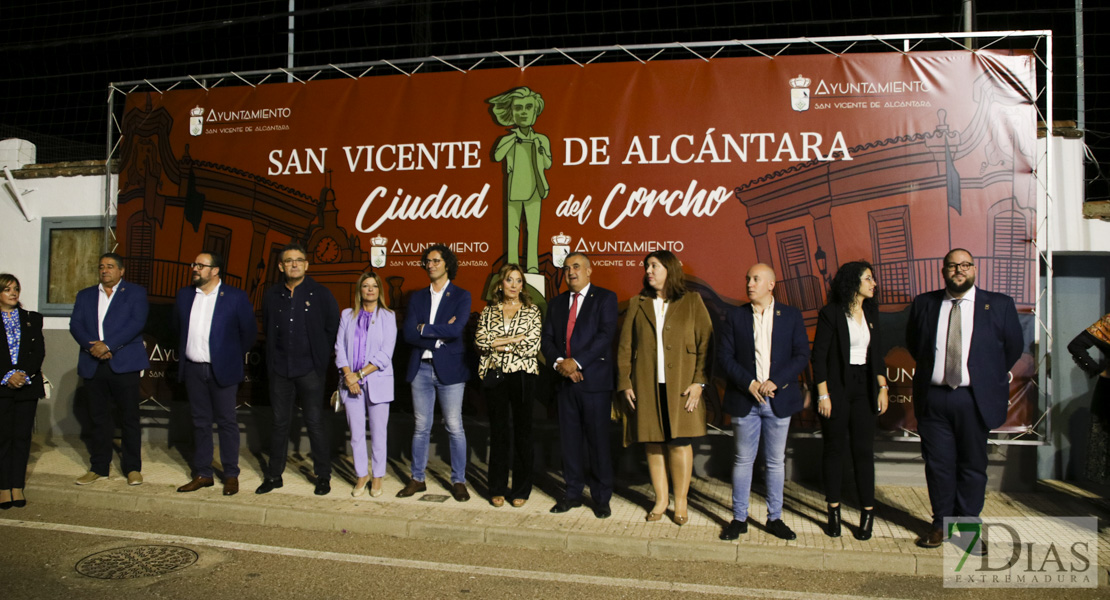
(434, 322)
(581, 352)
(217, 328)
(964, 341)
(107, 322)
(763, 350)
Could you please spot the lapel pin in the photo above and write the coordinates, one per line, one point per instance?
(986, 307)
(307, 303)
(221, 294)
(778, 313)
(871, 325)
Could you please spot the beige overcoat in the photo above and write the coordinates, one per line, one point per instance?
(686, 335)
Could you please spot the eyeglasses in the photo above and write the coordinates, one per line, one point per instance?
(433, 261)
(963, 267)
(293, 261)
(200, 266)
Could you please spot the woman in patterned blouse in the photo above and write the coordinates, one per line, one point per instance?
(508, 339)
(21, 354)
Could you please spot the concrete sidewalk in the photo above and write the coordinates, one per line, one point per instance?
(56, 463)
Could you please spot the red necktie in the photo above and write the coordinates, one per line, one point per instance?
(571, 319)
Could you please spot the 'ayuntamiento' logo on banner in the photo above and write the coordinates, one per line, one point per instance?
(196, 121)
(799, 93)
(377, 251)
(1021, 552)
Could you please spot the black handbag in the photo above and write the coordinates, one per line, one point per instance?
(493, 378)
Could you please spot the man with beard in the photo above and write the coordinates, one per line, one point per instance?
(964, 341)
(216, 329)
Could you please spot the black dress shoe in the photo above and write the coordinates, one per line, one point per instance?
(411, 488)
(602, 511)
(323, 487)
(866, 524)
(833, 529)
(933, 539)
(734, 530)
(779, 529)
(269, 485)
(564, 505)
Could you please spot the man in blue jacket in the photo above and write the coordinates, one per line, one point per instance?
(107, 323)
(764, 349)
(434, 322)
(216, 328)
(579, 346)
(964, 341)
(294, 311)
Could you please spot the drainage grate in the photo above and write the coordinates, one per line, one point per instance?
(134, 562)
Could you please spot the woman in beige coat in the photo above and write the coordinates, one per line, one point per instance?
(662, 362)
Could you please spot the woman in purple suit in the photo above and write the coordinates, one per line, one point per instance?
(364, 355)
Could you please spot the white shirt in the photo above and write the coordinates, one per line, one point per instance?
(102, 304)
(436, 298)
(763, 326)
(660, 306)
(859, 338)
(967, 325)
(200, 325)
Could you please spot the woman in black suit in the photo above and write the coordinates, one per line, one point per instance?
(851, 387)
(21, 354)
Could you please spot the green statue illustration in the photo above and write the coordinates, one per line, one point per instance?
(526, 155)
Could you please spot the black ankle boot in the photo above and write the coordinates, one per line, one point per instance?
(834, 521)
(866, 522)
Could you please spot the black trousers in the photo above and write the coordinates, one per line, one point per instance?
(17, 419)
(510, 435)
(584, 417)
(851, 430)
(954, 446)
(212, 403)
(110, 391)
(285, 392)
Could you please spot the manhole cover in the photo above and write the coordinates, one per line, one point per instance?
(135, 561)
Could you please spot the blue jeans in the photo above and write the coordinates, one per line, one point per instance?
(760, 422)
(424, 389)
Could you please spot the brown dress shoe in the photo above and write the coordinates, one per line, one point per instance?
(933, 539)
(458, 490)
(196, 484)
(412, 487)
(231, 486)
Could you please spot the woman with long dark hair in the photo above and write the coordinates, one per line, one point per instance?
(661, 361)
(851, 385)
(22, 351)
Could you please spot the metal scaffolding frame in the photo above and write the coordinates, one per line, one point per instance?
(706, 51)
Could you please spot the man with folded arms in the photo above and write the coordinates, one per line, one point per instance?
(216, 327)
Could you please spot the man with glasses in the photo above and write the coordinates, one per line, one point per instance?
(294, 311)
(434, 323)
(216, 330)
(107, 322)
(579, 346)
(964, 341)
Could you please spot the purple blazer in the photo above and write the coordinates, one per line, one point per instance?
(381, 338)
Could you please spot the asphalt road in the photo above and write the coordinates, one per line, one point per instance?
(42, 544)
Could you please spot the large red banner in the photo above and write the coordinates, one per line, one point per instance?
(801, 162)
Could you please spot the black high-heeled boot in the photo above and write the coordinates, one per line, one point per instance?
(834, 522)
(866, 523)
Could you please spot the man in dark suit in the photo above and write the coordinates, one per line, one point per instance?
(216, 327)
(578, 342)
(434, 323)
(296, 310)
(764, 349)
(107, 322)
(964, 340)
